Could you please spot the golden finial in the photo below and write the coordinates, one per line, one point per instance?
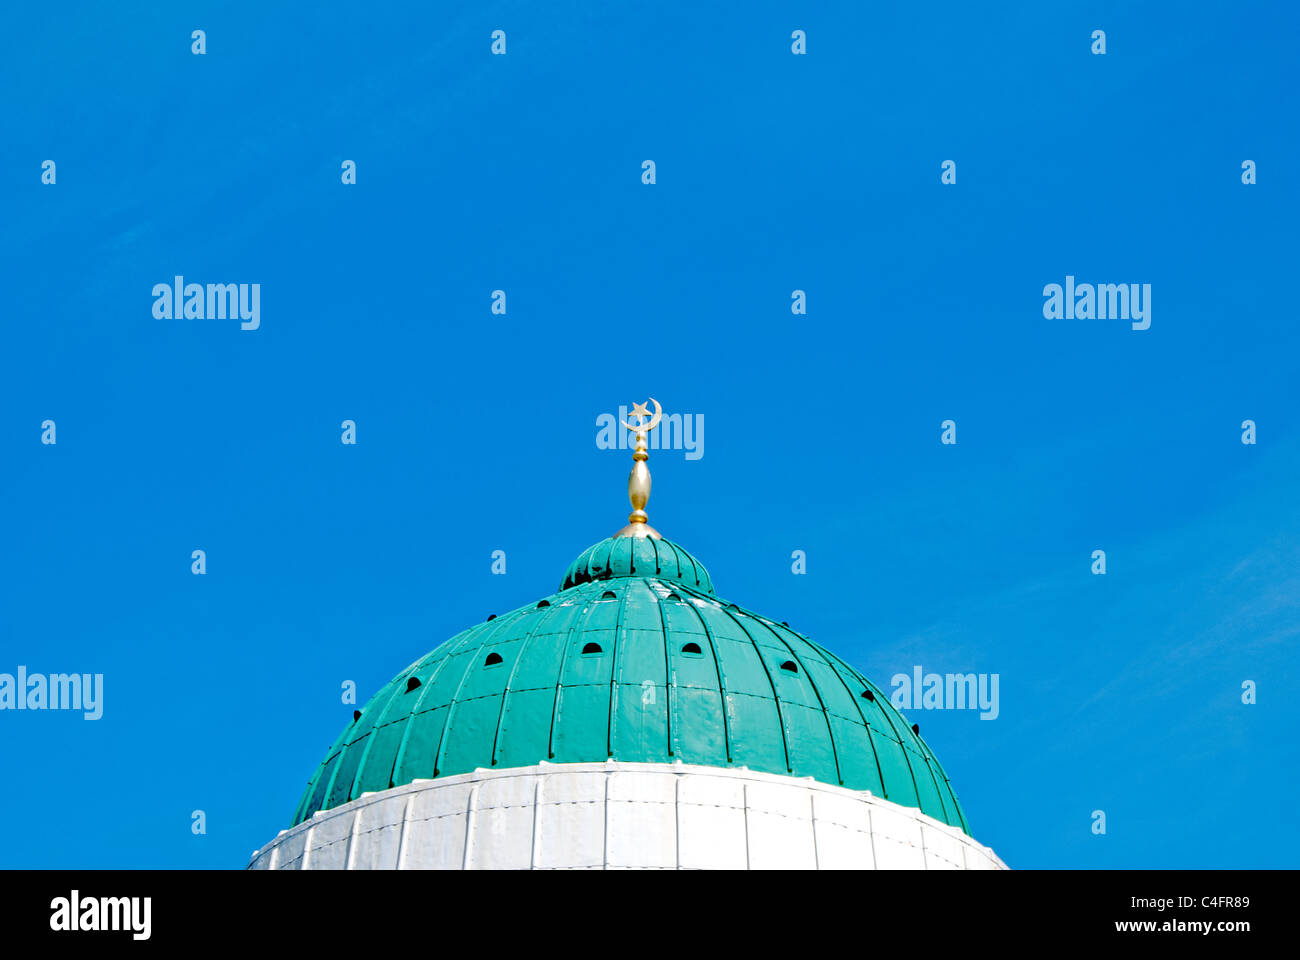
(638, 481)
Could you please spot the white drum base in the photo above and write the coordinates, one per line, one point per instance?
(606, 816)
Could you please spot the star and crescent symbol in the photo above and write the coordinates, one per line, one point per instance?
(642, 411)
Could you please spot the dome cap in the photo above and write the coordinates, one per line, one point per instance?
(628, 556)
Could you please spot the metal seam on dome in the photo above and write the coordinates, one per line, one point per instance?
(582, 566)
(425, 690)
(940, 788)
(722, 681)
(663, 554)
(776, 697)
(415, 667)
(609, 556)
(302, 812)
(370, 737)
(885, 708)
(589, 607)
(926, 754)
(343, 752)
(681, 556)
(340, 742)
(952, 792)
(502, 623)
(942, 776)
(930, 773)
(613, 671)
(929, 769)
(880, 700)
(451, 643)
(344, 744)
(514, 670)
(902, 742)
(456, 643)
(329, 786)
(826, 714)
(669, 686)
(316, 781)
(853, 698)
(677, 560)
(695, 569)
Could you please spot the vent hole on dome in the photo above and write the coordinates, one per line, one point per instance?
(608, 595)
(916, 729)
(492, 616)
(785, 623)
(789, 665)
(356, 715)
(672, 596)
(591, 648)
(412, 683)
(492, 659)
(868, 695)
(692, 649)
(543, 603)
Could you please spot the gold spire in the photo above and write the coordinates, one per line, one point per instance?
(638, 481)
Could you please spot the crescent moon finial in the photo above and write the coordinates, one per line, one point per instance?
(648, 421)
(638, 481)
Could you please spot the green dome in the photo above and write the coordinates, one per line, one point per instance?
(633, 659)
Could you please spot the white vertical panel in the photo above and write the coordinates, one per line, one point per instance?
(573, 832)
(779, 826)
(710, 821)
(896, 838)
(408, 805)
(436, 844)
(942, 851)
(378, 840)
(329, 840)
(843, 848)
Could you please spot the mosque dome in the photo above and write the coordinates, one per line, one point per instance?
(634, 671)
(633, 660)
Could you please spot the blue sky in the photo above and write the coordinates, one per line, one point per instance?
(476, 432)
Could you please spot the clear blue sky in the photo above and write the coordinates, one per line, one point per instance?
(477, 432)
